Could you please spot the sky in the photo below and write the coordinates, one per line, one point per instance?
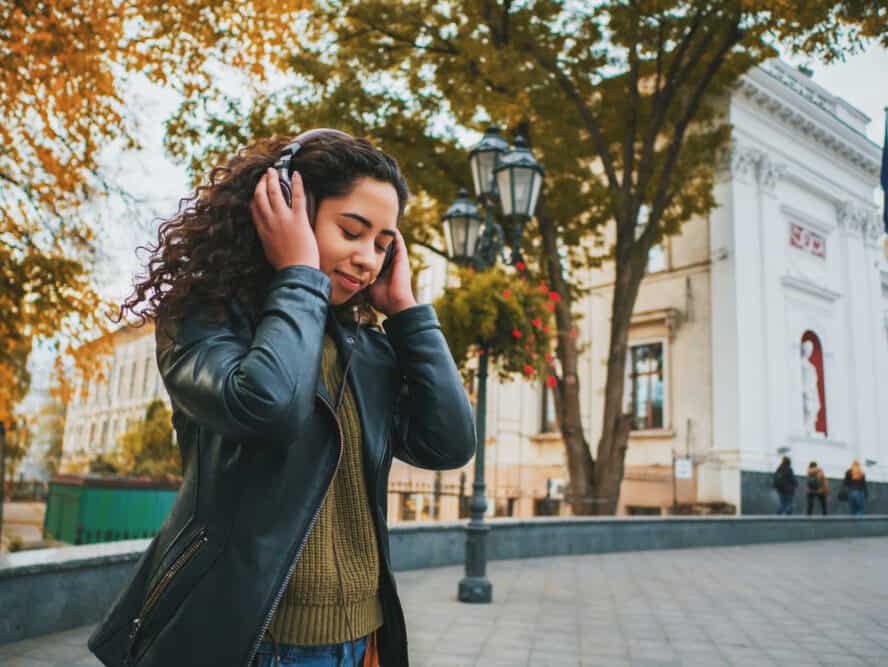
(862, 80)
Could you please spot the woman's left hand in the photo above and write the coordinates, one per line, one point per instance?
(392, 292)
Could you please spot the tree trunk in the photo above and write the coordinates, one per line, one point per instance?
(580, 465)
(616, 425)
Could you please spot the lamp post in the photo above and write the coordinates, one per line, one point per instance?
(512, 179)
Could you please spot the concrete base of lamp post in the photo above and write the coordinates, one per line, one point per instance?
(475, 586)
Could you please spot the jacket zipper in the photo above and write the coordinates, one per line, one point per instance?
(184, 558)
(314, 518)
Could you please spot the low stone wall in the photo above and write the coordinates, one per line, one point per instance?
(759, 497)
(51, 590)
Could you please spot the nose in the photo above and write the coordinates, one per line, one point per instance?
(364, 257)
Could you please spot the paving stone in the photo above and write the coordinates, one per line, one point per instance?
(693, 607)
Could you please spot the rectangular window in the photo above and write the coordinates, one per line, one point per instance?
(656, 258)
(417, 506)
(646, 386)
(134, 370)
(548, 416)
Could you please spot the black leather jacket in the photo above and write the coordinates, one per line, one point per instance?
(260, 444)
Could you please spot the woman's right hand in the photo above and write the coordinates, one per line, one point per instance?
(286, 234)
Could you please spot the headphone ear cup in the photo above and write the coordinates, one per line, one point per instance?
(286, 190)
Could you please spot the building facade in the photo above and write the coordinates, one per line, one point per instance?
(760, 330)
(94, 422)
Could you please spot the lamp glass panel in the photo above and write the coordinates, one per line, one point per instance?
(522, 181)
(504, 186)
(535, 193)
(485, 162)
(458, 228)
(473, 231)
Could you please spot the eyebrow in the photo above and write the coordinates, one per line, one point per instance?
(364, 221)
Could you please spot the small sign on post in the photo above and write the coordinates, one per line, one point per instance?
(684, 468)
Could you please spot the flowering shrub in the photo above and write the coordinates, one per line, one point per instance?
(509, 312)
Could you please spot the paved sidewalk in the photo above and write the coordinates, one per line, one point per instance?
(808, 603)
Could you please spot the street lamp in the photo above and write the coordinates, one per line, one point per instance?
(511, 179)
(520, 178)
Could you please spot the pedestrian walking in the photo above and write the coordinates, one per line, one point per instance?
(289, 402)
(817, 487)
(855, 486)
(785, 484)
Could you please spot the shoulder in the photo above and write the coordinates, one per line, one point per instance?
(201, 322)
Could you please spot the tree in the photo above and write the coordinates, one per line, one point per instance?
(622, 101)
(51, 422)
(64, 68)
(147, 448)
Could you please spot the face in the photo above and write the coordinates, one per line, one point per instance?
(353, 234)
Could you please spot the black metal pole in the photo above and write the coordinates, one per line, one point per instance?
(475, 587)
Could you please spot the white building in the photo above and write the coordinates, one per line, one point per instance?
(95, 422)
(789, 261)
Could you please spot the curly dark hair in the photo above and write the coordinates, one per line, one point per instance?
(209, 253)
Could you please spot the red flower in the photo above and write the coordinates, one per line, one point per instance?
(520, 266)
(507, 293)
(544, 288)
(551, 381)
(537, 322)
(555, 296)
(573, 333)
(550, 306)
(545, 328)
(516, 333)
(528, 369)
(480, 353)
(549, 357)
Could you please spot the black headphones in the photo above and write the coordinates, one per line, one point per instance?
(285, 174)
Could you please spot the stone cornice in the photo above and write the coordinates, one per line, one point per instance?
(778, 95)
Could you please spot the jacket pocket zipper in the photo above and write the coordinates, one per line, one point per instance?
(168, 576)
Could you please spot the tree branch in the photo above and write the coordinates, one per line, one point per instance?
(585, 113)
(675, 78)
(631, 124)
(661, 199)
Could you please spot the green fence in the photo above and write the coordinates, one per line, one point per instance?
(86, 510)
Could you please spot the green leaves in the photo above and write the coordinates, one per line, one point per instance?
(510, 312)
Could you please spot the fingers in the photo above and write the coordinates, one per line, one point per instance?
(275, 196)
(261, 202)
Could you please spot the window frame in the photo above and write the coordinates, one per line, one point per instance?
(628, 393)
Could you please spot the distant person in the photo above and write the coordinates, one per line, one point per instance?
(855, 483)
(785, 484)
(817, 487)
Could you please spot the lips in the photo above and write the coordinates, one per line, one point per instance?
(348, 281)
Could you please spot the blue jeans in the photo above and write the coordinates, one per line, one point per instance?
(326, 655)
(856, 500)
(785, 503)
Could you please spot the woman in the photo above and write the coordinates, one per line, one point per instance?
(288, 404)
(817, 487)
(855, 484)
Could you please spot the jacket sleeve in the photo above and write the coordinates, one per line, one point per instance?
(248, 389)
(434, 427)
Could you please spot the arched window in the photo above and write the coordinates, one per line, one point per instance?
(813, 385)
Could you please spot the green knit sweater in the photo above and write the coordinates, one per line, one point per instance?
(312, 610)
